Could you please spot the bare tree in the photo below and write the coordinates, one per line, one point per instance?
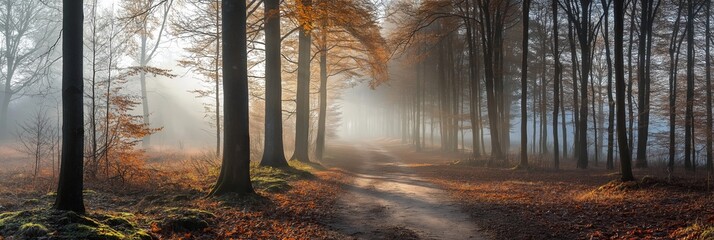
(580, 15)
(36, 138)
(647, 17)
(144, 17)
(203, 31)
(625, 156)
(30, 32)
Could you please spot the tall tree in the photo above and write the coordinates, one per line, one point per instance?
(675, 44)
(524, 86)
(580, 15)
(647, 15)
(493, 18)
(235, 169)
(353, 35)
(322, 116)
(625, 157)
(143, 18)
(273, 153)
(474, 83)
(557, 78)
(71, 183)
(689, 115)
(710, 158)
(302, 111)
(610, 101)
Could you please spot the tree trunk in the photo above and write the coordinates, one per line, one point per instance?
(474, 87)
(556, 85)
(625, 158)
(710, 158)
(235, 169)
(689, 115)
(610, 101)
(302, 111)
(524, 86)
(71, 183)
(146, 142)
(674, 47)
(273, 153)
(417, 107)
(629, 77)
(648, 12)
(216, 69)
(490, 29)
(320, 141)
(574, 75)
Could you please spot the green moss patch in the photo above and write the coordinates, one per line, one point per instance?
(45, 223)
(272, 179)
(32, 230)
(184, 220)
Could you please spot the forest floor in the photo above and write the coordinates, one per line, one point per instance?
(368, 190)
(291, 203)
(570, 204)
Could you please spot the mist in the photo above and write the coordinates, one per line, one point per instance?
(355, 119)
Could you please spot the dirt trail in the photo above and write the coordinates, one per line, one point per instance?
(386, 201)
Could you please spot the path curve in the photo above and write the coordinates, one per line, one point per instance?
(387, 201)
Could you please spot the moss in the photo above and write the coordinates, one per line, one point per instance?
(119, 220)
(11, 222)
(271, 184)
(32, 231)
(50, 195)
(140, 235)
(37, 223)
(81, 231)
(185, 220)
(307, 166)
(272, 179)
(31, 202)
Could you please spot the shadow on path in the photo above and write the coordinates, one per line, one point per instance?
(386, 201)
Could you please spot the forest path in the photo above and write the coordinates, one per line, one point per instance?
(386, 201)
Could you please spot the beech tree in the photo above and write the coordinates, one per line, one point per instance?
(235, 168)
(302, 111)
(273, 153)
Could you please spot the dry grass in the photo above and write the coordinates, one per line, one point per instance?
(297, 208)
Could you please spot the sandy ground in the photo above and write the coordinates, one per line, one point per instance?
(387, 201)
